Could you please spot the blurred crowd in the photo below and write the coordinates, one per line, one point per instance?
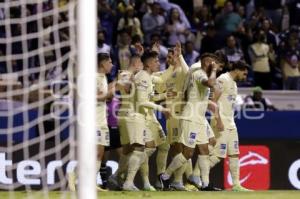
(264, 33)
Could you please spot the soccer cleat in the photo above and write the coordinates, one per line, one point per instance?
(195, 182)
(149, 188)
(240, 188)
(114, 182)
(190, 187)
(210, 188)
(72, 181)
(129, 187)
(158, 185)
(177, 186)
(165, 182)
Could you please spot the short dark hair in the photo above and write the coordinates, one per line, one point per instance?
(148, 55)
(211, 55)
(135, 56)
(222, 58)
(240, 65)
(102, 57)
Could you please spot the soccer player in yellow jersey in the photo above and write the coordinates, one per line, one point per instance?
(132, 129)
(173, 86)
(104, 91)
(145, 101)
(225, 94)
(193, 121)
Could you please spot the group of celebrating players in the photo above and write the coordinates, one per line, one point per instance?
(185, 95)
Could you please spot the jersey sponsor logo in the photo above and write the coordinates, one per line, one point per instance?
(254, 168)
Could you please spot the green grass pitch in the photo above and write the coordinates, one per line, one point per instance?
(158, 195)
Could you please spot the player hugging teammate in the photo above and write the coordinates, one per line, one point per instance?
(183, 94)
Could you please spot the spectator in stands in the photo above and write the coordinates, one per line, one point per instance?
(290, 62)
(201, 19)
(260, 53)
(162, 50)
(209, 42)
(258, 101)
(123, 50)
(228, 21)
(107, 20)
(190, 55)
(232, 50)
(153, 22)
(272, 10)
(270, 35)
(129, 21)
(102, 46)
(176, 29)
(244, 37)
(167, 6)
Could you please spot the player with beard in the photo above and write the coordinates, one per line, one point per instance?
(225, 93)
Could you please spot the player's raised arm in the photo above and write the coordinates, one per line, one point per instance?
(211, 81)
(179, 58)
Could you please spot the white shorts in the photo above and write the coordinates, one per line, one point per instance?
(103, 135)
(156, 132)
(227, 143)
(192, 133)
(132, 129)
